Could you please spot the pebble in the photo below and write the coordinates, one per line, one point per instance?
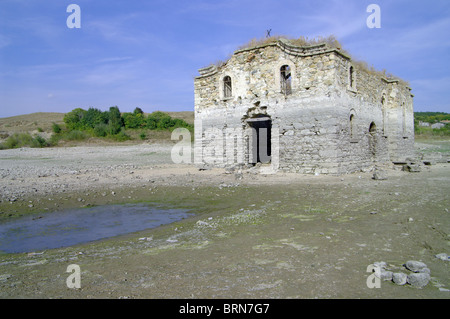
(418, 279)
(380, 264)
(443, 256)
(400, 278)
(415, 266)
(420, 276)
(386, 275)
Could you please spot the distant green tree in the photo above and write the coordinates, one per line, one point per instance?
(161, 121)
(101, 130)
(74, 118)
(138, 110)
(115, 121)
(94, 117)
(133, 120)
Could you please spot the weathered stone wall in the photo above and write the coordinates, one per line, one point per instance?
(321, 127)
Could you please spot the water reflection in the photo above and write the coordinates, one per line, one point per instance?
(76, 226)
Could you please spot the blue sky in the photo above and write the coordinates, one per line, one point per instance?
(136, 53)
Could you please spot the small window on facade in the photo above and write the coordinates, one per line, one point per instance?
(372, 128)
(351, 77)
(352, 125)
(286, 78)
(383, 109)
(227, 89)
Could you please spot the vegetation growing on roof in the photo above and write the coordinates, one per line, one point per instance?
(331, 41)
(302, 41)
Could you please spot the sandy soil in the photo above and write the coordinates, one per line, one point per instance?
(253, 236)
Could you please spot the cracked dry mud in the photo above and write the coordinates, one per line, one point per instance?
(259, 236)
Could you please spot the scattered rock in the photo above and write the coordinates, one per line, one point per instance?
(415, 266)
(34, 254)
(412, 168)
(386, 275)
(443, 256)
(201, 223)
(400, 278)
(380, 175)
(418, 279)
(380, 264)
(425, 271)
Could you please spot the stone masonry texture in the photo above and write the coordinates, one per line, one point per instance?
(337, 117)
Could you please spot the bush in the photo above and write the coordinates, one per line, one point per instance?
(75, 135)
(428, 131)
(162, 121)
(133, 120)
(101, 130)
(54, 139)
(121, 136)
(56, 128)
(74, 118)
(115, 121)
(94, 117)
(24, 140)
(39, 142)
(18, 140)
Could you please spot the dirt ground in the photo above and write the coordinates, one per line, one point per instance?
(252, 236)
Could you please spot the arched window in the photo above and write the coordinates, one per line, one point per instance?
(227, 88)
(286, 79)
(351, 77)
(372, 128)
(352, 125)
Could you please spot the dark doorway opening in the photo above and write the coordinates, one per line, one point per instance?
(261, 147)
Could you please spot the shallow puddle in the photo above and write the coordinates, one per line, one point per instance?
(77, 226)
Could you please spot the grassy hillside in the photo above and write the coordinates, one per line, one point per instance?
(30, 122)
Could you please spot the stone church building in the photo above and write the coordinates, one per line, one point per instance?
(307, 109)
